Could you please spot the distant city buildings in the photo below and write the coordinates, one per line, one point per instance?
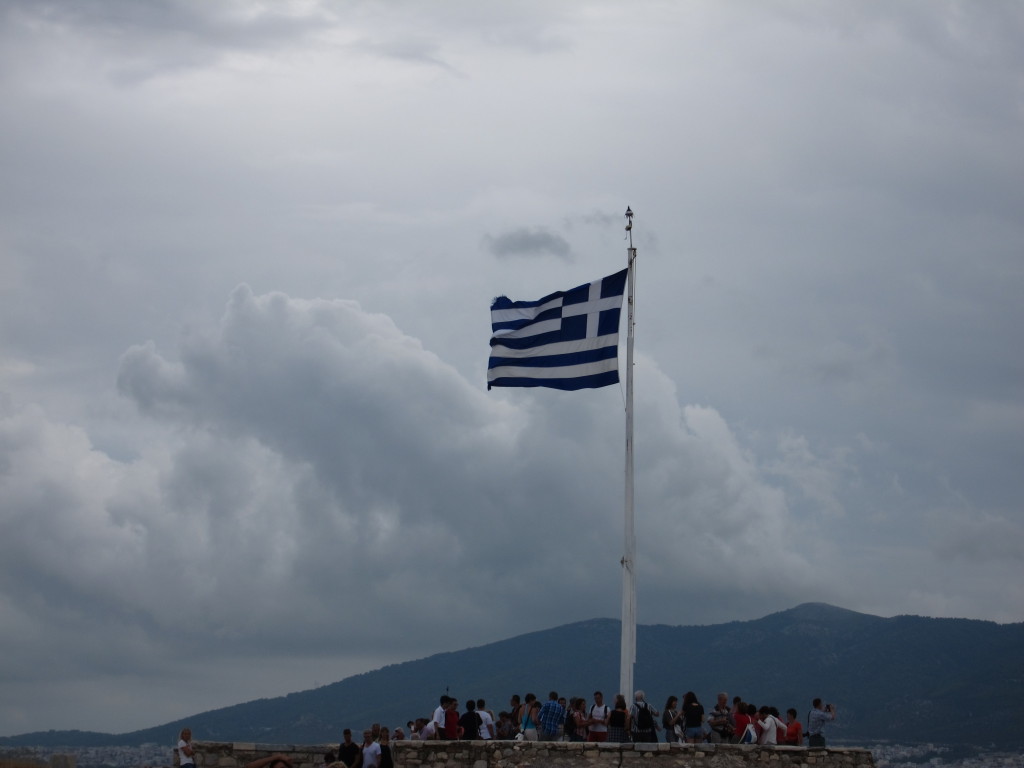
(916, 755)
(144, 756)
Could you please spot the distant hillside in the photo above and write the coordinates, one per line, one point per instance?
(905, 679)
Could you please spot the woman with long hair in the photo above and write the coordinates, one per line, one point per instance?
(578, 713)
(387, 760)
(670, 718)
(693, 718)
(618, 721)
(528, 726)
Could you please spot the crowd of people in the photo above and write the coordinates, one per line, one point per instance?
(575, 719)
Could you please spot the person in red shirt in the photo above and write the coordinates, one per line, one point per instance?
(794, 731)
(741, 718)
(450, 728)
(752, 713)
(451, 720)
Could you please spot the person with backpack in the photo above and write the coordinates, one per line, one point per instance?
(746, 724)
(643, 718)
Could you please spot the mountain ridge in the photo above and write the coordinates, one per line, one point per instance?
(904, 678)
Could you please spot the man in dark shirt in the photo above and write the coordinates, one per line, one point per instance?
(349, 752)
(470, 722)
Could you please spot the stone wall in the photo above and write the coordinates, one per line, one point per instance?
(518, 754)
(220, 754)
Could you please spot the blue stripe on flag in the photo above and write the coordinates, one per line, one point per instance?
(567, 340)
(555, 361)
(570, 385)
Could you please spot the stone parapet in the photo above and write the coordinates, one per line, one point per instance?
(524, 754)
(227, 754)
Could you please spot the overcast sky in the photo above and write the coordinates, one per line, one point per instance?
(247, 252)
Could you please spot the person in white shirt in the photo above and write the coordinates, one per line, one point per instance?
(186, 756)
(486, 720)
(597, 726)
(439, 714)
(770, 726)
(427, 731)
(371, 750)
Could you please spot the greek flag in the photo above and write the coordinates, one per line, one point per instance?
(567, 340)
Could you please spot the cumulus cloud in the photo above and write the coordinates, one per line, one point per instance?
(817, 478)
(310, 443)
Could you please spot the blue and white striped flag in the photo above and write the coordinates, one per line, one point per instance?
(568, 340)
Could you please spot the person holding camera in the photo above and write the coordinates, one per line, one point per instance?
(817, 719)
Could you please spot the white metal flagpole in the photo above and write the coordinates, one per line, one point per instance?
(628, 652)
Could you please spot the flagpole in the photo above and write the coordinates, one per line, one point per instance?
(628, 650)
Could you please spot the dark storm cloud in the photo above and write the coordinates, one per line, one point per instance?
(528, 242)
(133, 25)
(142, 40)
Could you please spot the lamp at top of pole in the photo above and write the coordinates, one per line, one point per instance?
(629, 224)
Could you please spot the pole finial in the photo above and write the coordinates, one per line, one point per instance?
(629, 218)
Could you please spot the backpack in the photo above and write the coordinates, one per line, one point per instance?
(644, 721)
(749, 735)
(570, 723)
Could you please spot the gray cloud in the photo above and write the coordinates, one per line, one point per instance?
(525, 241)
(142, 40)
